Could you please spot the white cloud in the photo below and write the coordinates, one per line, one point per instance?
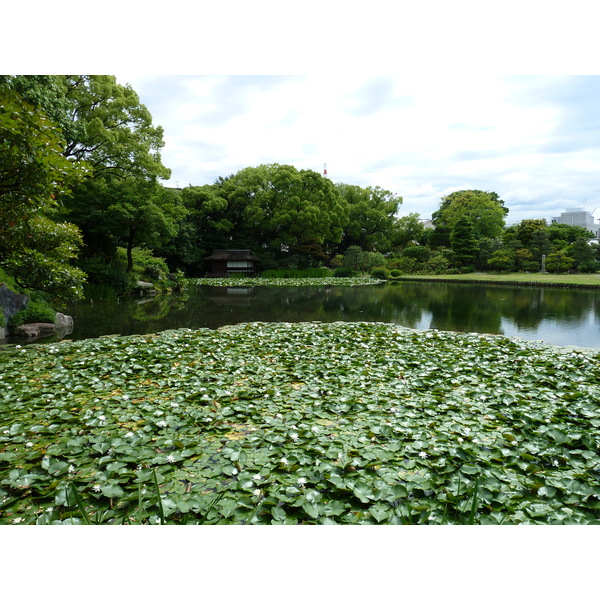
(526, 138)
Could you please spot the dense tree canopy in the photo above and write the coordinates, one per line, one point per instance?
(101, 122)
(485, 210)
(373, 222)
(34, 177)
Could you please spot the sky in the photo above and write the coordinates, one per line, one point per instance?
(534, 140)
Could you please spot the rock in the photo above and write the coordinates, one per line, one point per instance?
(11, 302)
(63, 320)
(146, 288)
(34, 330)
(145, 285)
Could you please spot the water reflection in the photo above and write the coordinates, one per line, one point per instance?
(558, 316)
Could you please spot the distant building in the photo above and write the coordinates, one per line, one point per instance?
(580, 218)
(230, 262)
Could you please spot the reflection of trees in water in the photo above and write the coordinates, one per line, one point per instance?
(529, 307)
(464, 308)
(458, 307)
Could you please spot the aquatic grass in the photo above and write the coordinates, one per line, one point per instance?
(278, 423)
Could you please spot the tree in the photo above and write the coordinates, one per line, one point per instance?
(584, 256)
(134, 212)
(102, 122)
(278, 207)
(34, 177)
(502, 259)
(525, 229)
(559, 261)
(372, 218)
(408, 229)
(463, 242)
(485, 210)
(561, 234)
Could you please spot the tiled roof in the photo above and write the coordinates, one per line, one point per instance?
(231, 255)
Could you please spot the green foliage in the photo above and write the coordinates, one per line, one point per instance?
(372, 218)
(463, 242)
(395, 273)
(559, 261)
(35, 249)
(485, 211)
(296, 273)
(502, 259)
(380, 273)
(360, 423)
(344, 272)
(37, 311)
(358, 260)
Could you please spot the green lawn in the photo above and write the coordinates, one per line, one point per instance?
(579, 279)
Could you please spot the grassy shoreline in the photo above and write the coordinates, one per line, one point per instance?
(537, 279)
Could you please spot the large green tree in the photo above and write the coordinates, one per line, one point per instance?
(35, 177)
(372, 218)
(485, 211)
(278, 206)
(101, 121)
(130, 213)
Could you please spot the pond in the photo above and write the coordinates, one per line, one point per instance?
(558, 316)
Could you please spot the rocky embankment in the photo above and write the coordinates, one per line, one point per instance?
(13, 302)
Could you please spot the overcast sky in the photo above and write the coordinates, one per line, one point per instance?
(472, 100)
(534, 140)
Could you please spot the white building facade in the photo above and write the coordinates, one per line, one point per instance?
(580, 218)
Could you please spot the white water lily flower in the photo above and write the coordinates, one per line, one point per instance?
(29, 444)
(101, 418)
(301, 481)
(129, 434)
(257, 492)
(460, 440)
(256, 477)
(294, 436)
(314, 428)
(125, 397)
(423, 454)
(71, 468)
(174, 405)
(18, 520)
(96, 488)
(170, 458)
(279, 416)
(284, 461)
(162, 423)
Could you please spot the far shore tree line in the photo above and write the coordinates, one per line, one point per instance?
(81, 203)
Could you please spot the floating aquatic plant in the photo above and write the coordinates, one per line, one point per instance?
(268, 423)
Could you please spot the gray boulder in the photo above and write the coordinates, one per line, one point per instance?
(32, 330)
(11, 302)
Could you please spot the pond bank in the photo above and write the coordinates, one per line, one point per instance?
(524, 279)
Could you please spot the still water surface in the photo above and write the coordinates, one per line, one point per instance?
(557, 316)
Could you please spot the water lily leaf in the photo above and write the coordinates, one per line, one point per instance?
(112, 490)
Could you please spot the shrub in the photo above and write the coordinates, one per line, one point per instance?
(319, 272)
(344, 272)
(380, 273)
(37, 311)
(396, 273)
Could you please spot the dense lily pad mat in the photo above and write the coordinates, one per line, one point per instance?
(299, 423)
(288, 282)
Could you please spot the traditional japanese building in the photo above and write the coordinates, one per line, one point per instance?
(224, 263)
